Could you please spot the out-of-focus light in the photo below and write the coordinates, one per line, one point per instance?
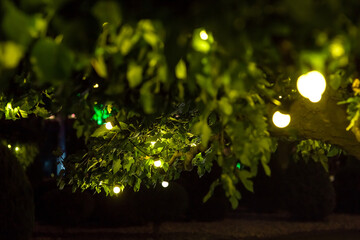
(311, 85)
(116, 189)
(157, 163)
(17, 149)
(280, 97)
(204, 35)
(281, 120)
(72, 116)
(152, 143)
(336, 49)
(238, 165)
(193, 145)
(9, 146)
(51, 117)
(332, 178)
(96, 85)
(108, 125)
(165, 184)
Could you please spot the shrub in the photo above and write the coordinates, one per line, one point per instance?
(347, 186)
(309, 192)
(67, 208)
(16, 199)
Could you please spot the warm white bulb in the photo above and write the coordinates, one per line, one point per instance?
(281, 120)
(116, 189)
(9, 146)
(152, 143)
(311, 85)
(315, 99)
(96, 85)
(108, 125)
(17, 149)
(157, 163)
(204, 35)
(165, 184)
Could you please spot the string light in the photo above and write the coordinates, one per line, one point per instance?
(311, 85)
(157, 163)
(281, 120)
(9, 146)
(108, 125)
(152, 143)
(203, 35)
(17, 149)
(96, 85)
(116, 189)
(165, 184)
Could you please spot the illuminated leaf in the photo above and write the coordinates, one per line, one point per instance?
(180, 70)
(99, 66)
(116, 165)
(134, 75)
(225, 106)
(10, 54)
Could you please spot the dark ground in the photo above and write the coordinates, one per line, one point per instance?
(237, 226)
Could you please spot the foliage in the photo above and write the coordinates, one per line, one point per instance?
(199, 88)
(316, 151)
(25, 154)
(16, 201)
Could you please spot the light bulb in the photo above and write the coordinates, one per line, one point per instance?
(311, 85)
(9, 146)
(204, 35)
(165, 184)
(108, 125)
(116, 189)
(157, 163)
(152, 143)
(281, 120)
(96, 85)
(17, 149)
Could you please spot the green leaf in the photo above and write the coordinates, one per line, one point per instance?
(52, 62)
(134, 75)
(128, 163)
(99, 66)
(180, 70)
(20, 27)
(116, 165)
(225, 106)
(211, 190)
(335, 81)
(10, 54)
(100, 131)
(244, 177)
(266, 168)
(137, 184)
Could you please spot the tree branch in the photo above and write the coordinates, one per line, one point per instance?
(325, 121)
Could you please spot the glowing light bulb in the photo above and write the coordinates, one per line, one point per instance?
(193, 144)
(152, 143)
(17, 149)
(116, 189)
(108, 125)
(165, 184)
(157, 163)
(204, 35)
(96, 85)
(281, 120)
(311, 85)
(9, 146)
